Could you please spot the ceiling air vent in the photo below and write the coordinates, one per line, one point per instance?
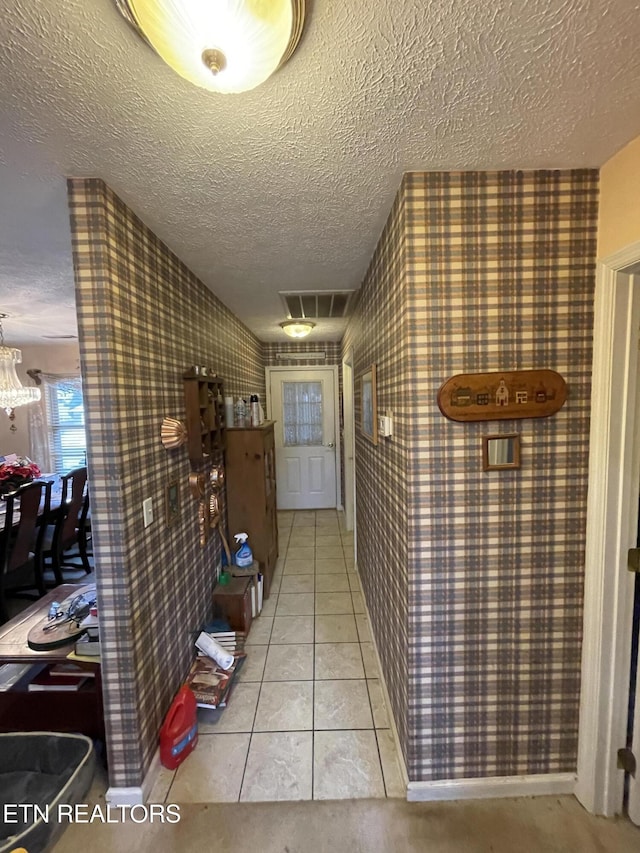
(319, 305)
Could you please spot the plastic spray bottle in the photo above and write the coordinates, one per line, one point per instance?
(243, 557)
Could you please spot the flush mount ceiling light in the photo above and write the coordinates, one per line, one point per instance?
(226, 46)
(297, 328)
(12, 392)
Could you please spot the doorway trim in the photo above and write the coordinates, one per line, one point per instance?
(348, 436)
(336, 414)
(612, 509)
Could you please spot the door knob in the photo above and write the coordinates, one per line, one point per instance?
(331, 444)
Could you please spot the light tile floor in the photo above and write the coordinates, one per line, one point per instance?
(307, 718)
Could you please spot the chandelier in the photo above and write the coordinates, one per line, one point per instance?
(12, 392)
(226, 46)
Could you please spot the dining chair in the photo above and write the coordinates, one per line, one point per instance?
(64, 530)
(21, 542)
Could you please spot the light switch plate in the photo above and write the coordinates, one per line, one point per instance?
(385, 426)
(147, 511)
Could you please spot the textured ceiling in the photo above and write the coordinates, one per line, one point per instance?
(288, 187)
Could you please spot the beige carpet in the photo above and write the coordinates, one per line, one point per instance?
(546, 824)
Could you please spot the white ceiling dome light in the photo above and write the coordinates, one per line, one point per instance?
(297, 328)
(226, 46)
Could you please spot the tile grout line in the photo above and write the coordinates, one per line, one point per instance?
(314, 680)
(253, 724)
(255, 713)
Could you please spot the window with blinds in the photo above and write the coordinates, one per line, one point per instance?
(65, 416)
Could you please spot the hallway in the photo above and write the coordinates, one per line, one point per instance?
(307, 719)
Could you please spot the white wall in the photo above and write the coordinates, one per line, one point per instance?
(619, 219)
(52, 358)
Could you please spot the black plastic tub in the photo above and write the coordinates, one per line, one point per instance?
(40, 771)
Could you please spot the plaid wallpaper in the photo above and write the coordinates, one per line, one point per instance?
(332, 349)
(492, 271)
(378, 334)
(144, 318)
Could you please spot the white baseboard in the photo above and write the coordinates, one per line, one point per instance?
(548, 784)
(125, 796)
(136, 796)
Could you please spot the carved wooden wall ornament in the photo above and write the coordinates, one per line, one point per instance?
(502, 396)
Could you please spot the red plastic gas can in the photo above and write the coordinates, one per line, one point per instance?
(179, 732)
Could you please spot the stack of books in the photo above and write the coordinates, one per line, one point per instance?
(210, 683)
(61, 676)
(231, 641)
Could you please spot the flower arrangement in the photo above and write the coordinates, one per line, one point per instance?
(16, 474)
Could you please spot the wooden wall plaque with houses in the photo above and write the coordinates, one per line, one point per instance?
(502, 396)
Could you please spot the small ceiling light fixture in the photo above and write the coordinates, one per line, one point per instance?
(226, 46)
(297, 328)
(12, 392)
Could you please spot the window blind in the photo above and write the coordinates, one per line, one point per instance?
(65, 416)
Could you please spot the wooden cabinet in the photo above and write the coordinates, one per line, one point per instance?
(251, 493)
(204, 402)
(233, 603)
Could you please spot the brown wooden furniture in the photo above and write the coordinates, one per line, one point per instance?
(204, 401)
(65, 533)
(21, 541)
(251, 493)
(52, 710)
(232, 602)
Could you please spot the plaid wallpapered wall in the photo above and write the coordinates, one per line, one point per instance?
(144, 318)
(332, 349)
(377, 334)
(499, 276)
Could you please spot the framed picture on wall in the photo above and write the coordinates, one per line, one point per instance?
(368, 405)
(171, 503)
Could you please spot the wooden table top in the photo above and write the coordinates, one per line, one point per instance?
(14, 633)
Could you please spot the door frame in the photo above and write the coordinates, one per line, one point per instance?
(348, 438)
(612, 509)
(268, 371)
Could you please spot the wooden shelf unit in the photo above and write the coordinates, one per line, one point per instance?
(251, 492)
(204, 401)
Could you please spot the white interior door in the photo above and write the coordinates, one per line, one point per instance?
(302, 403)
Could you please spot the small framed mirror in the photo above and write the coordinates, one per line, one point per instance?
(369, 405)
(500, 451)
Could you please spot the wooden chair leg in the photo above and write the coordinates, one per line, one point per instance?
(82, 550)
(38, 573)
(56, 565)
(4, 613)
